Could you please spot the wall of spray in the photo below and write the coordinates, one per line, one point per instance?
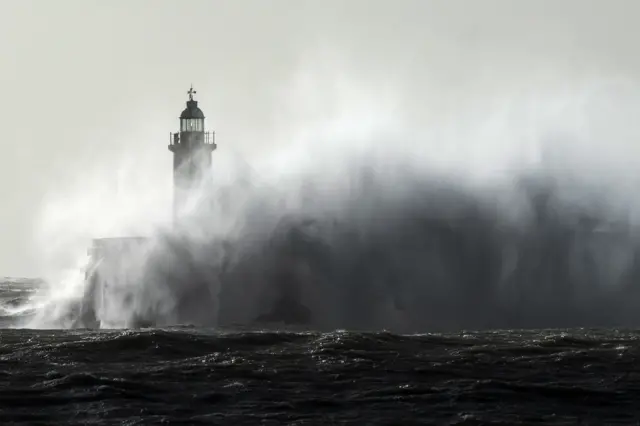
(517, 209)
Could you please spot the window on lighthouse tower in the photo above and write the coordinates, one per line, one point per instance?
(192, 125)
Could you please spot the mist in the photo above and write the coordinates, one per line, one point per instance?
(389, 226)
(445, 165)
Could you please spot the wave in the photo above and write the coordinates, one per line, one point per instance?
(433, 257)
(381, 231)
(412, 255)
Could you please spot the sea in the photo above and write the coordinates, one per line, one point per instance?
(192, 376)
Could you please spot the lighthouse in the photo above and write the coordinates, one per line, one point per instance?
(115, 293)
(192, 148)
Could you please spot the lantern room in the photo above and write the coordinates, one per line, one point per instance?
(192, 118)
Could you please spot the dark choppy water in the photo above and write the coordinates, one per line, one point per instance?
(202, 376)
(185, 376)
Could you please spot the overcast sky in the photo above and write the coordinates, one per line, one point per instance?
(85, 84)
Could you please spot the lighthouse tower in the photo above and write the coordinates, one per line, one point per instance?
(192, 147)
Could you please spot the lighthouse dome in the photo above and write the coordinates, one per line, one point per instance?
(192, 110)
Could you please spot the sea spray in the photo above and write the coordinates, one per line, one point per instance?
(386, 230)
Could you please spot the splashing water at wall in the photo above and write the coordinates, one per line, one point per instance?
(518, 215)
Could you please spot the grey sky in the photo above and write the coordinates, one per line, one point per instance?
(85, 83)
